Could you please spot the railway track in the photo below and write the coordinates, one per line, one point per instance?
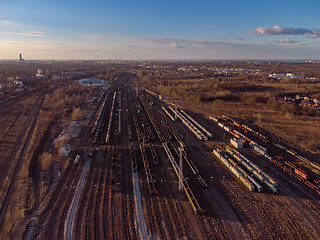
(179, 223)
(90, 206)
(259, 216)
(25, 137)
(131, 191)
(299, 208)
(97, 216)
(227, 211)
(69, 224)
(56, 201)
(127, 168)
(71, 176)
(126, 203)
(105, 208)
(150, 198)
(262, 215)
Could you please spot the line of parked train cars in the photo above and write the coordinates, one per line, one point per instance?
(264, 151)
(190, 125)
(197, 124)
(198, 130)
(110, 119)
(295, 154)
(255, 146)
(169, 114)
(189, 161)
(99, 115)
(253, 169)
(97, 124)
(236, 170)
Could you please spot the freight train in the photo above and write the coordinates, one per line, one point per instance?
(190, 125)
(253, 169)
(222, 157)
(285, 165)
(197, 124)
(99, 115)
(110, 119)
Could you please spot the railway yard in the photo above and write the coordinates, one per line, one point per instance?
(122, 179)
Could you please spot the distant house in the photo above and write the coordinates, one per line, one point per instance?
(306, 99)
(40, 75)
(290, 75)
(286, 98)
(277, 75)
(299, 97)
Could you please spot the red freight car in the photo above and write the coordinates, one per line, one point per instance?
(301, 173)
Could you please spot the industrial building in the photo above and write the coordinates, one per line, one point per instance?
(94, 82)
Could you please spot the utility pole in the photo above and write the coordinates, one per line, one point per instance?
(180, 169)
(137, 90)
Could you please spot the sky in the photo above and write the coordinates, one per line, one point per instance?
(154, 29)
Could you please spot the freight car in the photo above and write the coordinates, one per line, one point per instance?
(133, 160)
(77, 160)
(190, 125)
(214, 119)
(107, 139)
(167, 112)
(301, 173)
(258, 186)
(222, 157)
(198, 124)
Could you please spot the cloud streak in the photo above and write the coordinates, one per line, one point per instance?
(276, 30)
(26, 33)
(3, 21)
(286, 40)
(174, 45)
(315, 34)
(156, 48)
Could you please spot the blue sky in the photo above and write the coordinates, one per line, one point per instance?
(176, 29)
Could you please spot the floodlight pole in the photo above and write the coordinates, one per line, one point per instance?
(180, 169)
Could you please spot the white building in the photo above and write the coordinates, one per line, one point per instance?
(41, 75)
(94, 82)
